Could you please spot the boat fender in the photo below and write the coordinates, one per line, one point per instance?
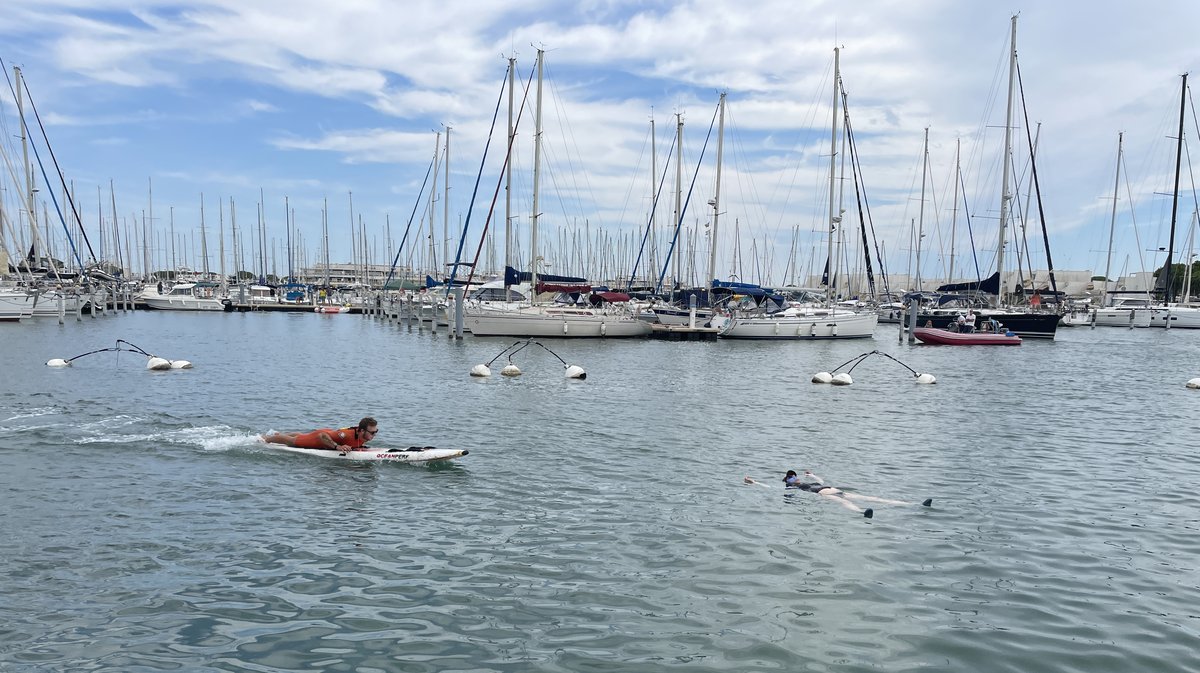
(1193, 384)
(481, 371)
(926, 378)
(576, 372)
(603, 329)
(511, 370)
(835, 331)
(564, 328)
(180, 364)
(158, 364)
(841, 379)
(822, 377)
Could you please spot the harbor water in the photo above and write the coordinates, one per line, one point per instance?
(597, 525)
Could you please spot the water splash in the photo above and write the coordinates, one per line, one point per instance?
(33, 413)
(208, 438)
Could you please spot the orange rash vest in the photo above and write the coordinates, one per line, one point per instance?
(344, 437)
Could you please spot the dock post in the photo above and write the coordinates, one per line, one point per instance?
(458, 313)
(912, 319)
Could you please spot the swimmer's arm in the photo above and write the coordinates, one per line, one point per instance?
(331, 443)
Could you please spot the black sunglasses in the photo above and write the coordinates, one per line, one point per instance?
(373, 432)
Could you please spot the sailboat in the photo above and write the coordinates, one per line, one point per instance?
(550, 319)
(1032, 321)
(1123, 312)
(802, 321)
(1170, 314)
(48, 289)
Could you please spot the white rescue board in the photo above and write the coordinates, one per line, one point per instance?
(413, 454)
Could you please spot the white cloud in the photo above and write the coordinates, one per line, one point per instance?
(259, 106)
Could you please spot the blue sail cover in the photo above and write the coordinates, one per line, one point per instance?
(759, 292)
(514, 277)
(741, 288)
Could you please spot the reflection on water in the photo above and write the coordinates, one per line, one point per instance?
(598, 524)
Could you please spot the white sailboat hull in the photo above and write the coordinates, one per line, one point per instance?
(1108, 317)
(554, 322)
(48, 303)
(811, 326)
(1173, 317)
(14, 307)
(169, 303)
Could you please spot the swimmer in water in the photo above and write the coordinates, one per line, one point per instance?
(343, 440)
(818, 486)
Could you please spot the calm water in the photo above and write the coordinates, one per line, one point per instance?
(598, 525)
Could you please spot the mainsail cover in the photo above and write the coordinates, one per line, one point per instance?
(989, 285)
(514, 277)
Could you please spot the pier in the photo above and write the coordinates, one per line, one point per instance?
(682, 333)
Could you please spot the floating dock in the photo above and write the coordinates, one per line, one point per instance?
(683, 333)
(292, 308)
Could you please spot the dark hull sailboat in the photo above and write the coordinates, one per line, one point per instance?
(1031, 325)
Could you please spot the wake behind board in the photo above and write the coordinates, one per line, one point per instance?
(413, 454)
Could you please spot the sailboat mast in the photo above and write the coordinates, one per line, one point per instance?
(833, 136)
(325, 238)
(203, 240)
(221, 243)
(1168, 293)
(716, 202)
(262, 234)
(537, 175)
(239, 259)
(653, 194)
(446, 207)
(433, 262)
(287, 223)
(678, 221)
(30, 207)
(1112, 224)
(125, 273)
(1006, 158)
(508, 242)
(146, 238)
(921, 210)
(954, 213)
(171, 228)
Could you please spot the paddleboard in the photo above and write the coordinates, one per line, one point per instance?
(413, 454)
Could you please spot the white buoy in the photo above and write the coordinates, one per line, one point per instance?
(1193, 384)
(181, 364)
(157, 363)
(510, 370)
(481, 371)
(59, 362)
(822, 377)
(841, 379)
(576, 372)
(926, 378)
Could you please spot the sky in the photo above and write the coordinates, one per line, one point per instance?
(308, 106)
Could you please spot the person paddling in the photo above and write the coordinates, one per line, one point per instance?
(343, 440)
(818, 486)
